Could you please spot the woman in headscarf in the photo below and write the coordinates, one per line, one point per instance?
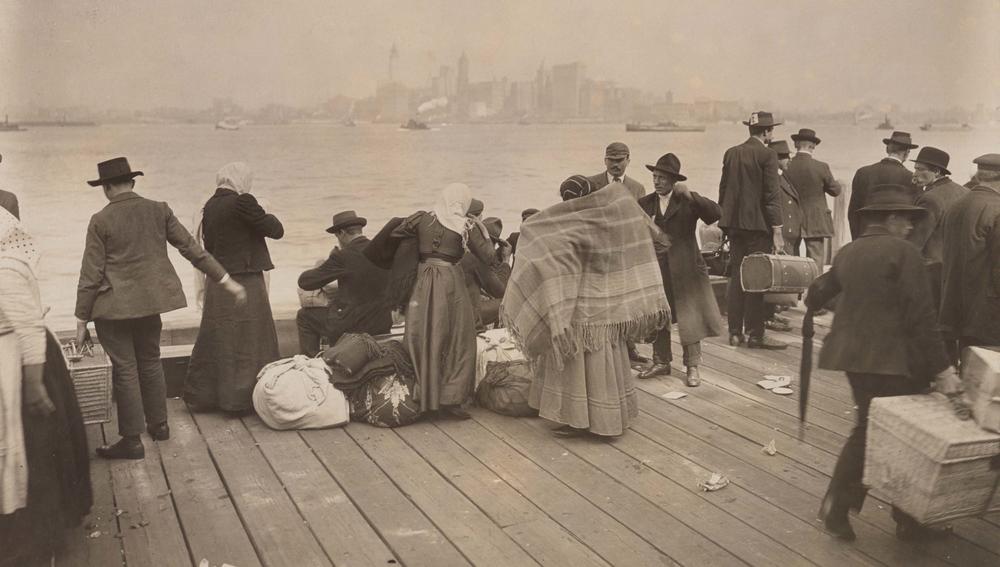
(44, 467)
(234, 342)
(440, 324)
(586, 281)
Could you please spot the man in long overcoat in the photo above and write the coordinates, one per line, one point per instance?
(890, 170)
(676, 211)
(970, 295)
(813, 181)
(791, 225)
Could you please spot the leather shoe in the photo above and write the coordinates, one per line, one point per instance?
(693, 379)
(840, 529)
(125, 448)
(635, 357)
(655, 370)
(159, 432)
(736, 339)
(776, 324)
(765, 343)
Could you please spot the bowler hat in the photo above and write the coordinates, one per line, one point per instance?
(762, 119)
(116, 169)
(493, 226)
(781, 147)
(989, 162)
(900, 139)
(807, 134)
(345, 219)
(934, 158)
(476, 207)
(891, 198)
(616, 150)
(668, 163)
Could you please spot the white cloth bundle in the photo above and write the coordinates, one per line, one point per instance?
(494, 345)
(296, 393)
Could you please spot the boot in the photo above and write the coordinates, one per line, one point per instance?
(159, 432)
(693, 379)
(128, 447)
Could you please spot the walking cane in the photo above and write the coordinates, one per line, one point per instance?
(805, 370)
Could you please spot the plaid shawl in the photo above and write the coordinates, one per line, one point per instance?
(586, 275)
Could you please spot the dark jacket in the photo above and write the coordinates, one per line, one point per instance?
(480, 279)
(928, 233)
(8, 201)
(813, 181)
(749, 191)
(970, 294)
(885, 321)
(600, 181)
(684, 272)
(791, 211)
(126, 273)
(234, 228)
(889, 171)
(360, 305)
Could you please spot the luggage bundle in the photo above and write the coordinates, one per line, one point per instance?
(494, 345)
(384, 397)
(296, 393)
(981, 381)
(781, 278)
(505, 388)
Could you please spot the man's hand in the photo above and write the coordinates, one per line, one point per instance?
(947, 381)
(82, 334)
(504, 251)
(236, 290)
(682, 191)
(778, 240)
(36, 399)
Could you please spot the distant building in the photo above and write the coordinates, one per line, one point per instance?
(566, 82)
(393, 102)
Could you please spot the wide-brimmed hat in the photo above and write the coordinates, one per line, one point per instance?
(616, 150)
(781, 147)
(933, 157)
(989, 162)
(670, 164)
(900, 139)
(891, 198)
(762, 119)
(494, 227)
(116, 169)
(345, 219)
(807, 134)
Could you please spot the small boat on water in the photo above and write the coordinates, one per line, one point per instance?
(227, 124)
(885, 124)
(946, 127)
(7, 126)
(413, 124)
(662, 127)
(350, 123)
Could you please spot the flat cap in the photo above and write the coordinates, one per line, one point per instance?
(616, 150)
(989, 162)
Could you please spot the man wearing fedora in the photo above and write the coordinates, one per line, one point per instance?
(890, 170)
(813, 181)
(970, 293)
(126, 283)
(360, 305)
(884, 336)
(616, 160)
(937, 194)
(676, 210)
(8, 200)
(750, 197)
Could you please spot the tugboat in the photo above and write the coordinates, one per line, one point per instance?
(413, 124)
(662, 127)
(8, 127)
(885, 124)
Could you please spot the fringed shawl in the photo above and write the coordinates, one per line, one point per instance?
(586, 276)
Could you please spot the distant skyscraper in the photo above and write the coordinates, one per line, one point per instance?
(393, 58)
(462, 81)
(566, 81)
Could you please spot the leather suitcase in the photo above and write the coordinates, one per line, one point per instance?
(777, 273)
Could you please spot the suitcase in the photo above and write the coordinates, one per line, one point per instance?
(928, 462)
(981, 381)
(774, 273)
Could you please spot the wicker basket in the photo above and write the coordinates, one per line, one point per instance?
(92, 381)
(929, 463)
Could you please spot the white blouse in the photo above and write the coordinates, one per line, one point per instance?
(21, 310)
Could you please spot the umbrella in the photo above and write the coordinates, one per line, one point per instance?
(805, 369)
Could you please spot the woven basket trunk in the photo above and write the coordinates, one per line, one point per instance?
(929, 463)
(773, 273)
(92, 382)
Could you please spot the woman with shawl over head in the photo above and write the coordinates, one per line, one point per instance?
(440, 324)
(234, 342)
(586, 281)
(44, 467)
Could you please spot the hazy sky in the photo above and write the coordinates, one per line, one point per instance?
(796, 53)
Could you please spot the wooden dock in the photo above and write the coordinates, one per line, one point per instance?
(501, 491)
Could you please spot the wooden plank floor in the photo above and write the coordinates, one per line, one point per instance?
(503, 491)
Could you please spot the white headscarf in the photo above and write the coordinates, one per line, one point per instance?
(236, 176)
(15, 242)
(451, 207)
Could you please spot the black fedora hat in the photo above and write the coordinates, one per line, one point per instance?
(933, 157)
(668, 163)
(900, 139)
(891, 198)
(345, 219)
(493, 226)
(807, 134)
(116, 169)
(781, 147)
(762, 119)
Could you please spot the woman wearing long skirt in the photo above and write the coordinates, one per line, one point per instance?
(44, 467)
(234, 342)
(440, 330)
(586, 281)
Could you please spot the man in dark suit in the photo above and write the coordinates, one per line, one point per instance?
(616, 160)
(676, 211)
(126, 282)
(888, 171)
(938, 193)
(791, 227)
(360, 305)
(8, 200)
(884, 336)
(750, 196)
(813, 181)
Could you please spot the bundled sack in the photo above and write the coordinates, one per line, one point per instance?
(348, 357)
(495, 345)
(505, 388)
(385, 395)
(296, 393)
(981, 381)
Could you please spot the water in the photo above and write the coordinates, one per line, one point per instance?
(308, 172)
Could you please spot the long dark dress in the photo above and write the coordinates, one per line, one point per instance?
(59, 492)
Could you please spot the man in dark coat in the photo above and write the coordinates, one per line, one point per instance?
(791, 227)
(360, 305)
(616, 160)
(513, 237)
(938, 194)
(888, 171)
(970, 294)
(8, 200)
(813, 181)
(483, 280)
(884, 336)
(750, 197)
(676, 210)
(126, 282)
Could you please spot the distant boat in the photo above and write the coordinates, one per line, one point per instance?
(885, 124)
(662, 127)
(227, 124)
(413, 124)
(8, 127)
(59, 123)
(350, 123)
(946, 127)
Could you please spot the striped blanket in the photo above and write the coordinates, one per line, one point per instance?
(586, 275)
